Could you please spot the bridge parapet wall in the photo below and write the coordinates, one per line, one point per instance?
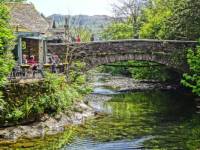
(93, 52)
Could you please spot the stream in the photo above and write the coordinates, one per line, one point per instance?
(139, 120)
(150, 119)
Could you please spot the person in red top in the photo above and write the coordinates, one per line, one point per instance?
(32, 62)
(78, 39)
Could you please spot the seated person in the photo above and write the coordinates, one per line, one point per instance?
(32, 62)
(36, 68)
(56, 58)
(24, 59)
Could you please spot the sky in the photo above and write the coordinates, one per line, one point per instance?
(74, 7)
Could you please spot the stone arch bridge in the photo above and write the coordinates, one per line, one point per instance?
(171, 53)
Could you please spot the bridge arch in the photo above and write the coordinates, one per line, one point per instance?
(171, 53)
(95, 62)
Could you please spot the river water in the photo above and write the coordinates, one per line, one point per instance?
(138, 120)
(135, 120)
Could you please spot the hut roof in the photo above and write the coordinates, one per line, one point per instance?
(25, 15)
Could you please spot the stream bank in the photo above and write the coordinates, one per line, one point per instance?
(124, 84)
(147, 119)
(49, 125)
(102, 83)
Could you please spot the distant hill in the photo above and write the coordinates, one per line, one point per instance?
(95, 23)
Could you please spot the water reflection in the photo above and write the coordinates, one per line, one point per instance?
(138, 115)
(112, 145)
(104, 91)
(141, 120)
(46, 143)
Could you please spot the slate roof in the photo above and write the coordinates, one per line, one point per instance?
(24, 15)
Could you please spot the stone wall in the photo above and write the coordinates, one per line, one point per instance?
(97, 53)
(22, 96)
(18, 92)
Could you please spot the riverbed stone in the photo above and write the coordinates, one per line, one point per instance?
(48, 125)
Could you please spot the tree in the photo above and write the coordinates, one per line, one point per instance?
(6, 44)
(130, 9)
(54, 24)
(185, 22)
(118, 30)
(171, 19)
(72, 31)
(124, 30)
(83, 32)
(192, 79)
(156, 15)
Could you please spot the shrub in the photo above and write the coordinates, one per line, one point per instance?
(53, 95)
(192, 79)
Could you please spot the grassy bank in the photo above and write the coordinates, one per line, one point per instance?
(28, 102)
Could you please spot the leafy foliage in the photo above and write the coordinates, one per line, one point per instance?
(156, 16)
(152, 71)
(6, 44)
(192, 79)
(84, 33)
(141, 70)
(161, 19)
(130, 9)
(53, 95)
(124, 30)
(116, 70)
(116, 31)
(171, 20)
(57, 96)
(76, 73)
(185, 22)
